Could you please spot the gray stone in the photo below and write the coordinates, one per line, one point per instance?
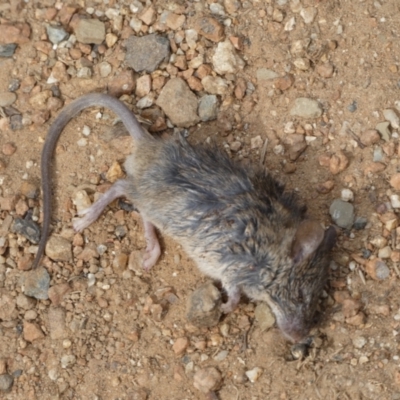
(264, 316)
(56, 34)
(90, 31)
(342, 213)
(28, 229)
(179, 103)
(208, 107)
(378, 154)
(264, 74)
(360, 223)
(7, 50)
(146, 53)
(6, 382)
(7, 98)
(36, 283)
(204, 306)
(225, 60)
(306, 108)
(383, 129)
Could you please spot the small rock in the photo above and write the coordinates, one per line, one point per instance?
(383, 129)
(325, 70)
(256, 142)
(68, 361)
(231, 6)
(207, 380)
(302, 63)
(56, 34)
(175, 21)
(114, 172)
(377, 269)
(179, 103)
(8, 149)
(359, 342)
(325, 187)
(56, 323)
(57, 292)
(369, 137)
(225, 60)
(90, 31)
(264, 316)
(147, 52)
(357, 320)
(338, 163)
(210, 28)
(203, 307)
(105, 69)
(350, 307)
(208, 107)
(6, 382)
(308, 14)
(385, 252)
(7, 50)
(391, 116)
(39, 101)
(58, 248)
(342, 213)
(395, 200)
(27, 228)
(215, 85)
(254, 374)
(7, 98)
(148, 15)
(14, 33)
(240, 89)
(180, 345)
(25, 302)
(306, 108)
(360, 223)
(81, 201)
(32, 332)
(120, 263)
(264, 74)
(284, 83)
(123, 83)
(143, 85)
(36, 283)
(395, 181)
(347, 195)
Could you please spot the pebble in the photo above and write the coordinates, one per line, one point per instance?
(203, 306)
(377, 269)
(264, 316)
(391, 116)
(347, 195)
(123, 83)
(25, 302)
(8, 149)
(369, 137)
(208, 107)
(308, 14)
(383, 129)
(147, 52)
(30, 315)
(378, 154)
(56, 323)
(302, 63)
(7, 50)
(231, 6)
(179, 103)
(32, 332)
(284, 82)
(306, 108)
(6, 382)
(352, 107)
(338, 163)
(35, 283)
(39, 100)
(225, 60)
(17, 33)
(215, 85)
(254, 374)
(210, 28)
(81, 201)
(359, 342)
(395, 181)
(143, 85)
(105, 69)
(385, 252)
(58, 248)
(56, 34)
(180, 345)
(264, 74)
(7, 98)
(325, 70)
(68, 361)
(175, 21)
(207, 380)
(27, 228)
(395, 200)
(90, 31)
(342, 213)
(360, 223)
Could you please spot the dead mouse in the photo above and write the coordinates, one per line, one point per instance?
(238, 224)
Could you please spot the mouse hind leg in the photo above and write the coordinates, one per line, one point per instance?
(233, 292)
(119, 189)
(153, 249)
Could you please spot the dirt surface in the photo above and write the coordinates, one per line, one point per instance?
(127, 336)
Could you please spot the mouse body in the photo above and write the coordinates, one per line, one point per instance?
(237, 223)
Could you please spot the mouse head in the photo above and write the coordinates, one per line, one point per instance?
(294, 302)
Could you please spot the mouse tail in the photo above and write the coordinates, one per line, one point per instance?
(70, 111)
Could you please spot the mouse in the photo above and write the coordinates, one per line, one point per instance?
(238, 224)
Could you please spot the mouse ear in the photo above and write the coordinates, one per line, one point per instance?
(307, 239)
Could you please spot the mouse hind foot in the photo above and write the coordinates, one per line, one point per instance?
(233, 293)
(89, 215)
(153, 248)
